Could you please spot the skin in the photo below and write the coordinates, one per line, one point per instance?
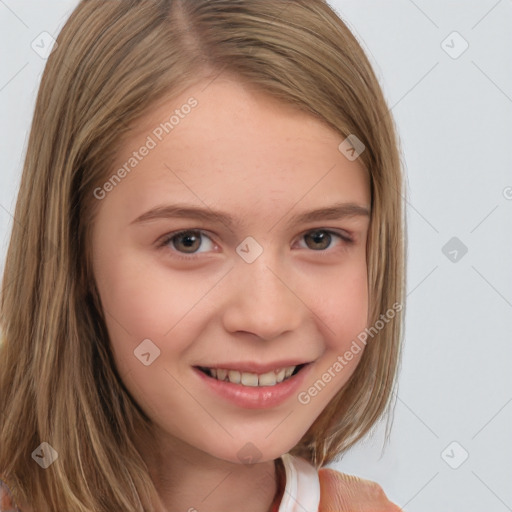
(262, 161)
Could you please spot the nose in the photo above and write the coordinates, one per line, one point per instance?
(261, 300)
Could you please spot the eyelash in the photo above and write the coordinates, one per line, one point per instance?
(168, 238)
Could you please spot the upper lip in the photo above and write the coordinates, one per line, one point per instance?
(253, 367)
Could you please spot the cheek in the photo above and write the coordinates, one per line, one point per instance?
(343, 309)
(140, 302)
(343, 306)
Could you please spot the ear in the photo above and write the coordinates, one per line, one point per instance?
(340, 492)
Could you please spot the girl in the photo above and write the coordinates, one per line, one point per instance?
(140, 374)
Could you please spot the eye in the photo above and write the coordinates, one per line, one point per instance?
(187, 241)
(185, 244)
(320, 239)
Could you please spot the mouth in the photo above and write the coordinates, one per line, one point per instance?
(249, 379)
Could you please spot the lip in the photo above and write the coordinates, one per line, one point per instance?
(253, 367)
(256, 397)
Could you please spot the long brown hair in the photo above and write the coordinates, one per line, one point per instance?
(115, 59)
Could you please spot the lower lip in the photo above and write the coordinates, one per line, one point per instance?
(256, 397)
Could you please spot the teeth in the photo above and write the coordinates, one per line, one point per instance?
(252, 379)
(234, 376)
(249, 379)
(268, 379)
(221, 374)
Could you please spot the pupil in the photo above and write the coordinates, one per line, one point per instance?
(188, 239)
(319, 237)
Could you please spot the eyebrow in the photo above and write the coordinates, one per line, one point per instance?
(335, 212)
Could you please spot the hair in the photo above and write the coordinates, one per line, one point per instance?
(114, 60)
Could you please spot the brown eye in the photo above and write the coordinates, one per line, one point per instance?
(318, 240)
(188, 241)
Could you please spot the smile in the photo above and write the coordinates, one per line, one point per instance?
(252, 379)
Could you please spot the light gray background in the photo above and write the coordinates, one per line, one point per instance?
(454, 117)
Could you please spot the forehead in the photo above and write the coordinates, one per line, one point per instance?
(237, 146)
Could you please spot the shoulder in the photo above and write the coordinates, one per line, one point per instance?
(342, 492)
(6, 501)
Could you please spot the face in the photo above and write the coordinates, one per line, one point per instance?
(259, 287)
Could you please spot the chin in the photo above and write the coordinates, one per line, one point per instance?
(248, 453)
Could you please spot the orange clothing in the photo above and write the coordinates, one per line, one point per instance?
(6, 501)
(340, 492)
(303, 488)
